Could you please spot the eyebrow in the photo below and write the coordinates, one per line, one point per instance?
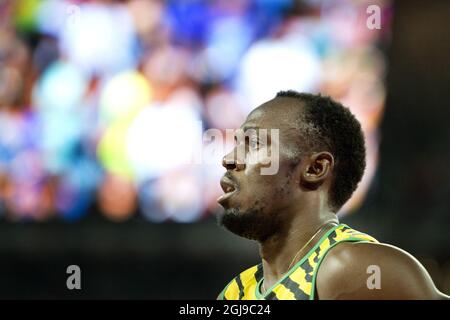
(256, 128)
(245, 128)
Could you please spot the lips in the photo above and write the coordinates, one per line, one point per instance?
(228, 187)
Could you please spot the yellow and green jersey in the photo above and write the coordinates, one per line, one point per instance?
(299, 282)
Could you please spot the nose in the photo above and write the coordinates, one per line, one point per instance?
(230, 162)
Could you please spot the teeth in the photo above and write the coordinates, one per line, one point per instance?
(229, 189)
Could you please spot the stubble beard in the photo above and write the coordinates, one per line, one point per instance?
(254, 224)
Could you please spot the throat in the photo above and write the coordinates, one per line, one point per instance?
(280, 254)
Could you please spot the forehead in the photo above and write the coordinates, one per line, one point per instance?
(279, 113)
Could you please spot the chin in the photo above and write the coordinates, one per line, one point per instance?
(251, 224)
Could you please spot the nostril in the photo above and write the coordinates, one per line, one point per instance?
(239, 166)
(229, 164)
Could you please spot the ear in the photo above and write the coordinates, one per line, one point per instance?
(318, 167)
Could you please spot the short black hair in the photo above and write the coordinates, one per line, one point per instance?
(338, 132)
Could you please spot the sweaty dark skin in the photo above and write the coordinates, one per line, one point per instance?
(289, 207)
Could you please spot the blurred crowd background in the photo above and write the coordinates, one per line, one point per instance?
(101, 101)
(104, 104)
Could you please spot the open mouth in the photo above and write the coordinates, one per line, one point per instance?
(228, 187)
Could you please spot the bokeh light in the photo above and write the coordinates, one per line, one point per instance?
(104, 105)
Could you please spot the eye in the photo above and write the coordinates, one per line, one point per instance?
(237, 141)
(254, 143)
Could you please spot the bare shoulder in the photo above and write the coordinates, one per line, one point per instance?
(363, 270)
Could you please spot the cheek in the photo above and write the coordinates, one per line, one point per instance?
(257, 160)
(261, 190)
(254, 193)
(265, 189)
(253, 165)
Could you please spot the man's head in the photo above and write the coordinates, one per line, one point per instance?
(321, 159)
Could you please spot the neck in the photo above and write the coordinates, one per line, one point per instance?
(279, 251)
